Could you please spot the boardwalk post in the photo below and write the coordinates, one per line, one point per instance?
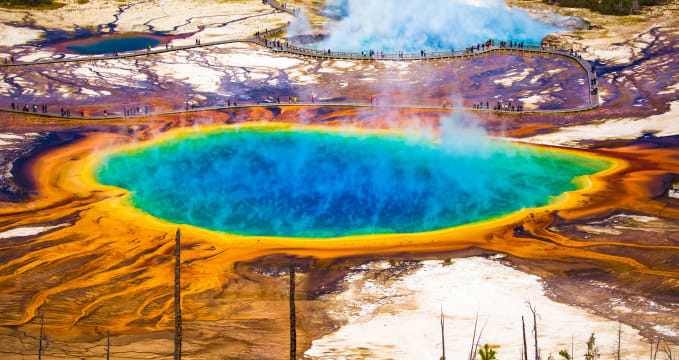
(177, 300)
(293, 330)
(108, 344)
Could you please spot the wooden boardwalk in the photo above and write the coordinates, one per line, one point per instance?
(277, 46)
(141, 115)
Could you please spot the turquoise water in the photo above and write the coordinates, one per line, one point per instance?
(304, 183)
(107, 45)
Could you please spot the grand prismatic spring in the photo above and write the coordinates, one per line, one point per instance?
(297, 183)
(339, 179)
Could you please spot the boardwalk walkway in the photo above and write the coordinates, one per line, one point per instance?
(243, 105)
(268, 40)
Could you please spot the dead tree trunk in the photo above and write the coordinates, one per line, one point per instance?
(471, 350)
(293, 329)
(42, 334)
(657, 346)
(443, 338)
(619, 337)
(525, 344)
(533, 309)
(177, 299)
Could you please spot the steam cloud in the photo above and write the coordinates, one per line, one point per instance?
(407, 25)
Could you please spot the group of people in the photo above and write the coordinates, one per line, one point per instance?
(43, 109)
(576, 54)
(27, 108)
(593, 87)
(273, 43)
(508, 107)
(498, 107)
(132, 111)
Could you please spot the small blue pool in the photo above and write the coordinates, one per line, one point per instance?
(110, 44)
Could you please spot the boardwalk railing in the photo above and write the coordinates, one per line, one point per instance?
(243, 105)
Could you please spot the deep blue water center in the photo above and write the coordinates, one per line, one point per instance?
(307, 183)
(109, 44)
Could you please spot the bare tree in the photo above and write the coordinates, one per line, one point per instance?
(534, 311)
(108, 344)
(471, 351)
(443, 338)
(668, 351)
(619, 338)
(525, 345)
(293, 330)
(42, 334)
(476, 339)
(592, 349)
(654, 354)
(177, 299)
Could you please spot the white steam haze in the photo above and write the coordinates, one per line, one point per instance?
(411, 25)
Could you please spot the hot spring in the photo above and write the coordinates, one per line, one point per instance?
(411, 26)
(268, 180)
(109, 44)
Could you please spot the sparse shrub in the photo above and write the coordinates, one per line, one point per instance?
(487, 353)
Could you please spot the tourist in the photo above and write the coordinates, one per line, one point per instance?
(257, 101)
(105, 113)
(35, 108)
(146, 110)
(228, 103)
(444, 103)
(68, 112)
(234, 103)
(82, 113)
(278, 99)
(312, 99)
(289, 100)
(13, 106)
(295, 99)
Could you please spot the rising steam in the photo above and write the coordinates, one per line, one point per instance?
(406, 25)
